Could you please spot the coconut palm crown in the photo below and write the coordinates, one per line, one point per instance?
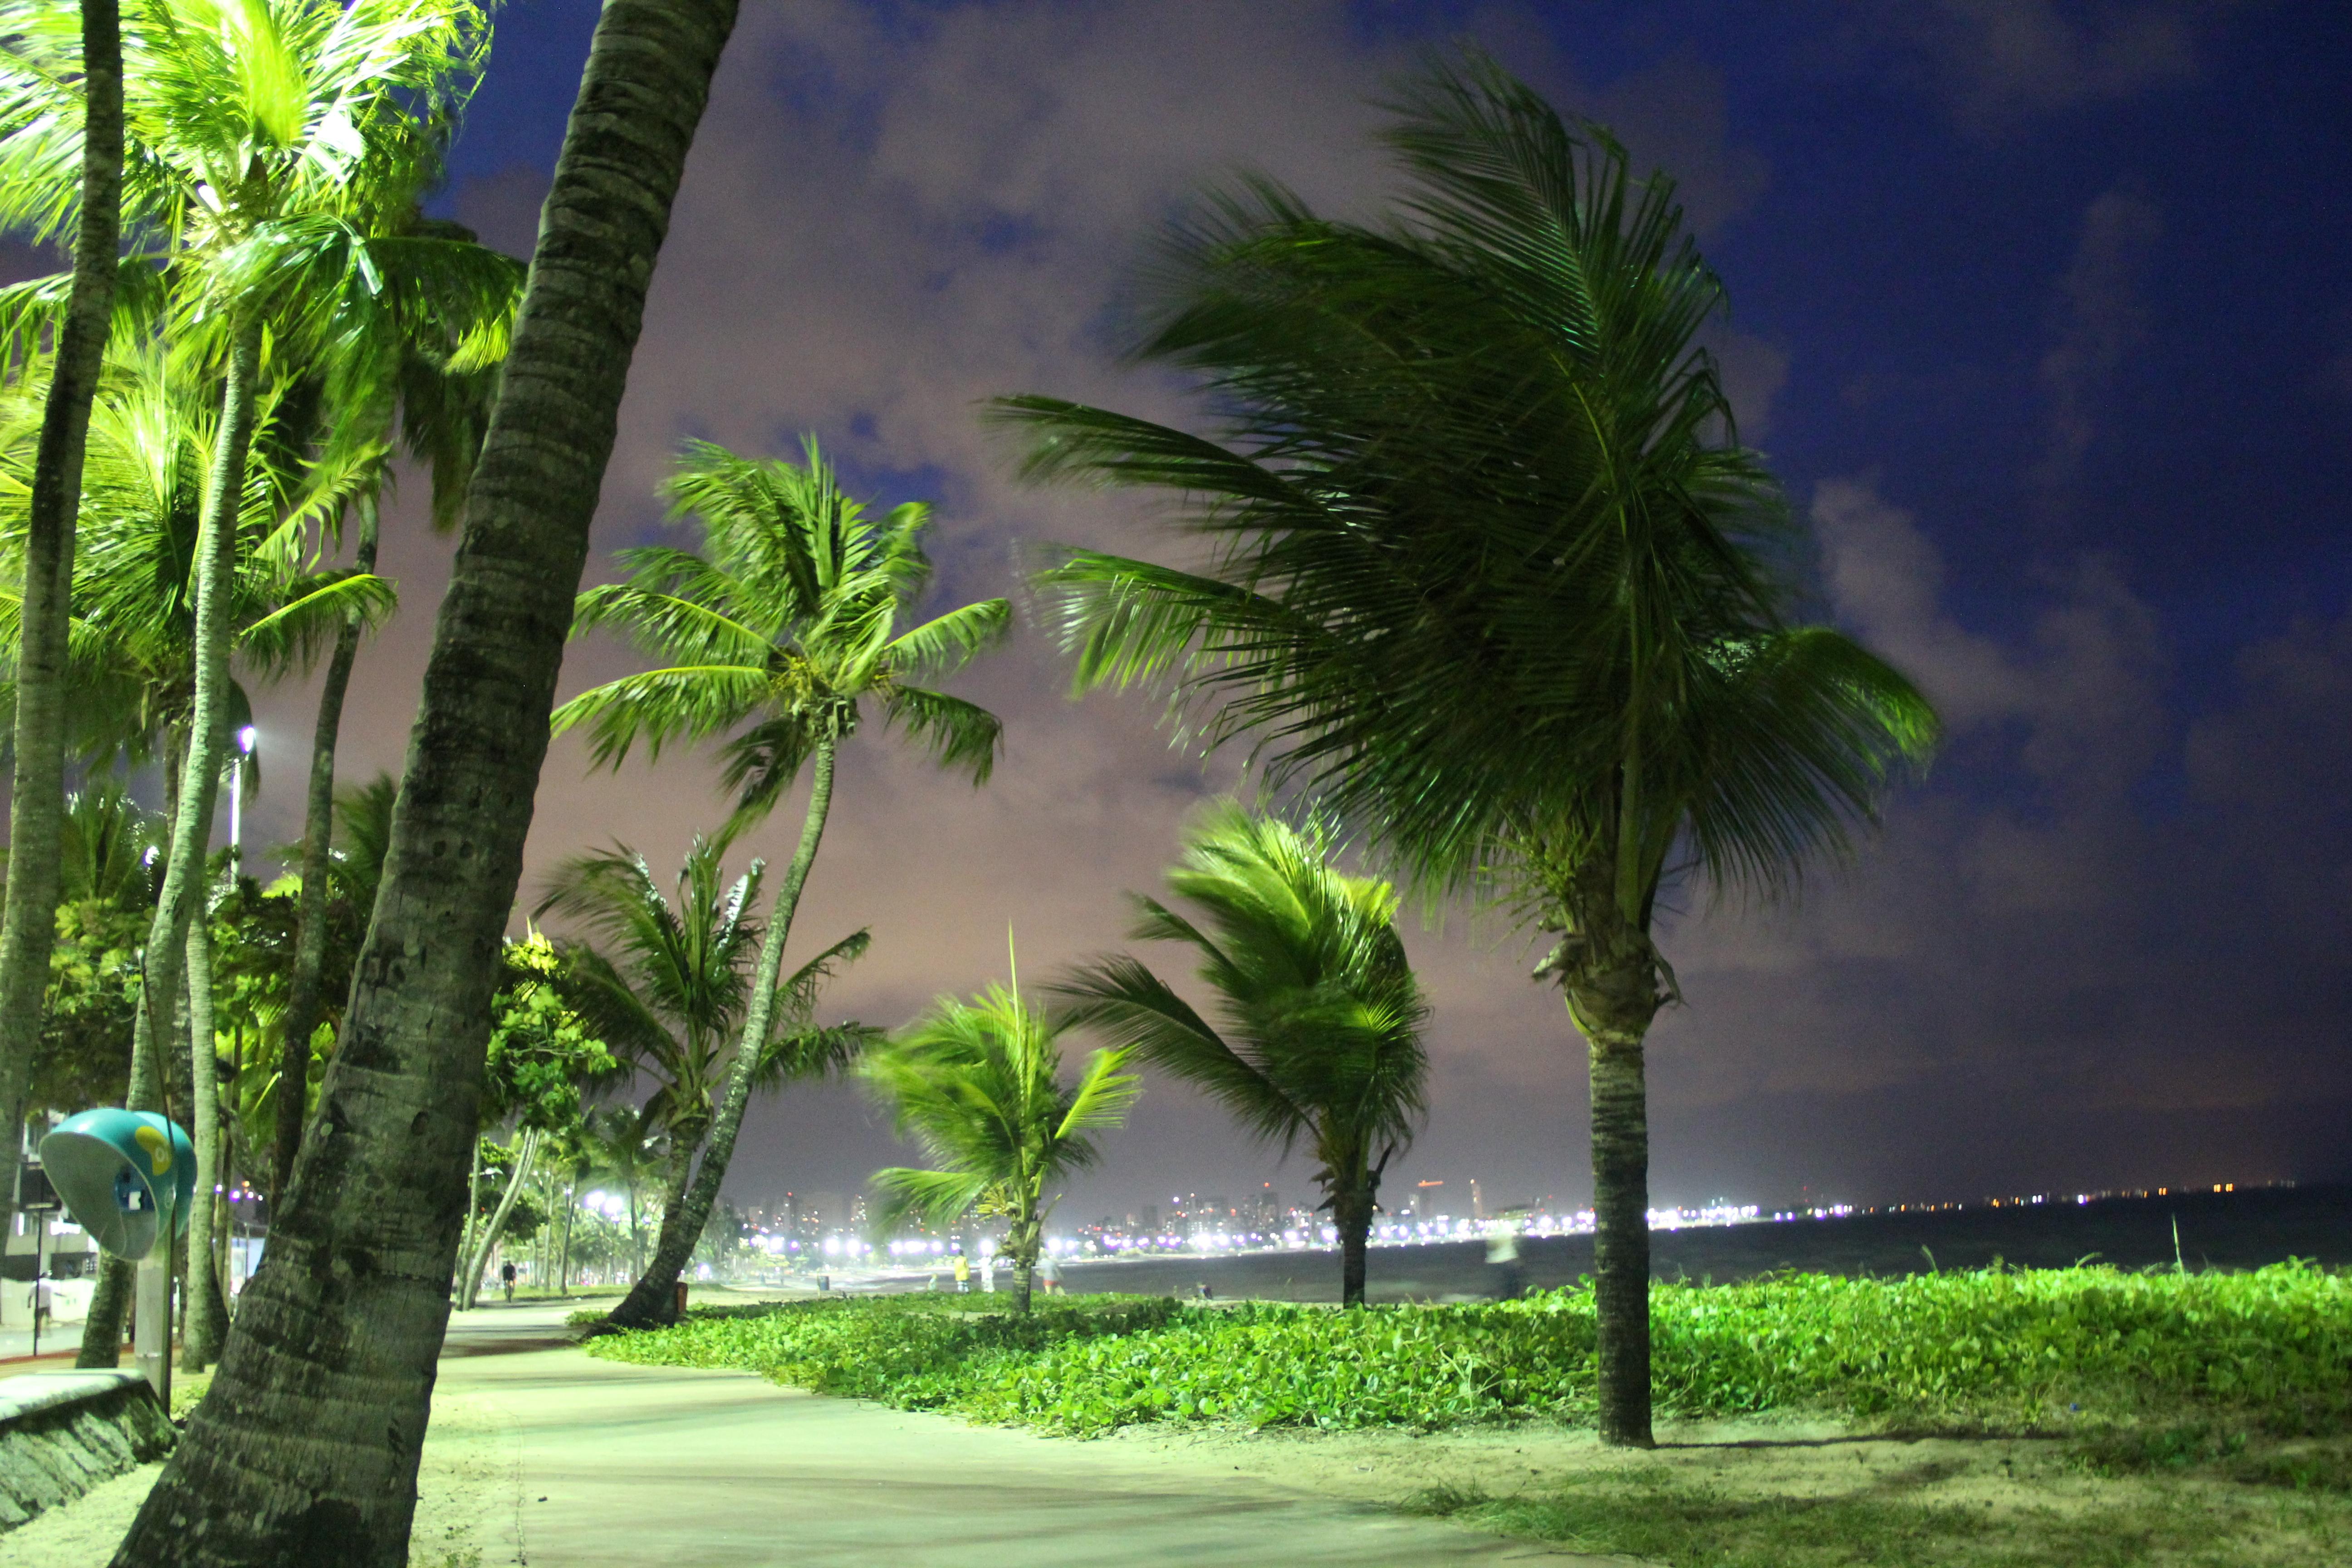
(781, 629)
(1488, 569)
(774, 639)
(1321, 1016)
(978, 1085)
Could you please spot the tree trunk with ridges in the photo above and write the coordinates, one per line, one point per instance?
(1610, 972)
(304, 1001)
(28, 923)
(305, 1450)
(207, 1309)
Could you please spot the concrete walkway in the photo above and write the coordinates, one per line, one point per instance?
(539, 1455)
(584, 1463)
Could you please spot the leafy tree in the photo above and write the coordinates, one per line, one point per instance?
(544, 1058)
(775, 638)
(1322, 1017)
(1488, 570)
(978, 1085)
(37, 789)
(353, 1292)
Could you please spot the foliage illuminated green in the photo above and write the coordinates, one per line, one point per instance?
(2059, 1350)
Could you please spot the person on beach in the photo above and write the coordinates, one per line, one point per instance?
(963, 1274)
(1503, 1263)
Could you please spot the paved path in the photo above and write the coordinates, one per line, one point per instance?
(542, 1456)
(584, 1463)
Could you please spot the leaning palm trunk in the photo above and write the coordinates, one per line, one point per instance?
(194, 783)
(473, 1201)
(563, 1252)
(304, 1002)
(208, 1319)
(469, 1284)
(306, 1449)
(37, 804)
(653, 1298)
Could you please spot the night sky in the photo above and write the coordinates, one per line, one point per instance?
(2042, 313)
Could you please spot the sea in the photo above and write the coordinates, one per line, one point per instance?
(2200, 1230)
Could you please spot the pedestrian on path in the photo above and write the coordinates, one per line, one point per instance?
(963, 1274)
(507, 1276)
(988, 1270)
(1049, 1274)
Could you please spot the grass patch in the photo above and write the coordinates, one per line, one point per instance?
(1706, 1525)
(2089, 1350)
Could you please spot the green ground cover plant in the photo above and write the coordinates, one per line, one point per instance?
(2117, 1358)
(1698, 1525)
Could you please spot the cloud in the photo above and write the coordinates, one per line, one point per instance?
(2102, 322)
(2001, 63)
(2038, 973)
(893, 213)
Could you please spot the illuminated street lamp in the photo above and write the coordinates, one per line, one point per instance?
(245, 738)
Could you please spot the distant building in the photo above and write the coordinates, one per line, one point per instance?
(1427, 1197)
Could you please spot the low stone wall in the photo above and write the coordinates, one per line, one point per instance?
(61, 1433)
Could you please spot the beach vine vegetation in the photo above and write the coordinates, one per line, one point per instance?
(2090, 1351)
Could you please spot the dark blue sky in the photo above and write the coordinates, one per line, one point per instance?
(2044, 313)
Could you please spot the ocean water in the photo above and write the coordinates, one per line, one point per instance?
(2217, 1230)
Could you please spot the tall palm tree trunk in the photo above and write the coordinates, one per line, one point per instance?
(470, 1282)
(110, 1300)
(306, 1449)
(28, 923)
(1611, 985)
(1352, 1214)
(207, 1311)
(194, 783)
(653, 1298)
(473, 1203)
(1021, 1239)
(303, 1002)
(564, 1255)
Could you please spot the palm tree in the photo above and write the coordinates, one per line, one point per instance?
(1322, 1016)
(663, 979)
(774, 639)
(353, 1295)
(135, 642)
(271, 143)
(1489, 570)
(979, 1085)
(625, 1144)
(37, 792)
(670, 985)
